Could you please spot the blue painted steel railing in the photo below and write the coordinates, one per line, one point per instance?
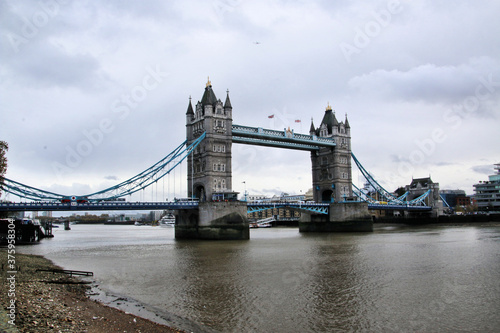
(318, 208)
(398, 207)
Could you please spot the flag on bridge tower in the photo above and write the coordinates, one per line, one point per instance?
(271, 116)
(298, 120)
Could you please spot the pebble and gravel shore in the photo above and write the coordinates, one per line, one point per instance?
(55, 302)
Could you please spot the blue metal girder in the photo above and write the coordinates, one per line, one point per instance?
(149, 176)
(275, 144)
(138, 182)
(281, 139)
(398, 207)
(28, 192)
(382, 191)
(318, 208)
(420, 199)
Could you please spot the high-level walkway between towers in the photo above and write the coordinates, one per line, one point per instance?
(280, 139)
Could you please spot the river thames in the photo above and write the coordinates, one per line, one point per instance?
(396, 279)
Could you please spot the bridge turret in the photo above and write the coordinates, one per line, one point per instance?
(209, 170)
(331, 166)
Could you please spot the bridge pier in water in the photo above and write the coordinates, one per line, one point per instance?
(342, 217)
(213, 220)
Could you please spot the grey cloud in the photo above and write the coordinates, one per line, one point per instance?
(429, 83)
(484, 169)
(50, 66)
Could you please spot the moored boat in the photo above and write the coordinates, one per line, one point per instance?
(167, 220)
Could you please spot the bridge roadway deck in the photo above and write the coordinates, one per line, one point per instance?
(321, 208)
(74, 206)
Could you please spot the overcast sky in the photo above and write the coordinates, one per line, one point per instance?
(93, 92)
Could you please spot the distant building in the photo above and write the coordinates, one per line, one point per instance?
(257, 198)
(420, 186)
(280, 214)
(487, 193)
(451, 198)
(309, 196)
(464, 201)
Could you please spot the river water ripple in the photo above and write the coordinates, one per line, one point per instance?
(396, 279)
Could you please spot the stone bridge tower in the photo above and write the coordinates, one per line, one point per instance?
(331, 167)
(219, 215)
(209, 167)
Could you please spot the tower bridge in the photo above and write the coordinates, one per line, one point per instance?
(213, 211)
(210, 171)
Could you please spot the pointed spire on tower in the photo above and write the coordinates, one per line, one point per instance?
(312, 129)
(335, 121)
(346, 122)
(227, 104)
(190, 107)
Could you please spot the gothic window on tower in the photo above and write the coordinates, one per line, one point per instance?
(219, 167)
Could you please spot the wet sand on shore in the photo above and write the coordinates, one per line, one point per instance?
(54, 302)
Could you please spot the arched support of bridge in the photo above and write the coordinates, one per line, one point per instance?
(342, 217)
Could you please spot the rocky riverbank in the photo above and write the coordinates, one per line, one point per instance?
(54, 302)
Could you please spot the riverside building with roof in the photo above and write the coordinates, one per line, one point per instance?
(487, 193)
